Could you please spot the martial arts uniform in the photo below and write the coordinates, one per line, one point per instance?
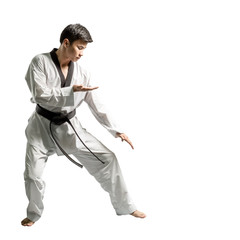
(51, 91)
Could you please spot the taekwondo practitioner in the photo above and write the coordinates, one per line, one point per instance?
(59, 85)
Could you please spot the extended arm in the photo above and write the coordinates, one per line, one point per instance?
(103, 117)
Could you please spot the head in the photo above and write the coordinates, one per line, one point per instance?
(74, 39)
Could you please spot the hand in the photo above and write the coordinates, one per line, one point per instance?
(124, 137)
(81, 88)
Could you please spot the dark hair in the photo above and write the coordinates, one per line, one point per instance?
(75, 32)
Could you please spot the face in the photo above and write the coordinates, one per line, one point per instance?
(75, 50)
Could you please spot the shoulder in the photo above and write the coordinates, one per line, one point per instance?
(40, 59)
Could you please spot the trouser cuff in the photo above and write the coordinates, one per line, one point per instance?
(129, 210)
(33, 216)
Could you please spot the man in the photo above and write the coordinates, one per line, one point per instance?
(59, 85)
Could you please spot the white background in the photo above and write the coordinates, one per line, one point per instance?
(169, 73)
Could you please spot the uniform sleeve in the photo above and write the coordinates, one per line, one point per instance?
(41, 93)
(101, 113)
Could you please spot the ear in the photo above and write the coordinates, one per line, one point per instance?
(66, 42)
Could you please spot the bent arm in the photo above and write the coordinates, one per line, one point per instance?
(41, 93)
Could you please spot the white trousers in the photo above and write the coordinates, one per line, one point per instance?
(108, 175)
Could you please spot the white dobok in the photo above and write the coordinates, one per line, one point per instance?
(46, 83)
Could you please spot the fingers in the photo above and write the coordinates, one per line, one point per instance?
(89, 88)
(129, 142)
(125, 138)
(81, 88)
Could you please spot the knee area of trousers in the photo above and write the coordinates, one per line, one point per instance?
(109, 158)
(31, 174)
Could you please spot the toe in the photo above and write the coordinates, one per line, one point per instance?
(138, 214)
(27, 222)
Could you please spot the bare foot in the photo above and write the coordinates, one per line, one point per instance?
(27, 222)
(138, 214)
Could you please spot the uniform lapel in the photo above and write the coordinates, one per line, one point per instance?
(64, 82)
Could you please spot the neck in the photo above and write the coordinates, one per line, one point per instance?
(62, 58)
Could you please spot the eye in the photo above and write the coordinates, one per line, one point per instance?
(80, 47)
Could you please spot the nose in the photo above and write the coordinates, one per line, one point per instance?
(81, 53)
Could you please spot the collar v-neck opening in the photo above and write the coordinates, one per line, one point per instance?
(64, 82)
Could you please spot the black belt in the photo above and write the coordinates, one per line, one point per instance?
(58, 119)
